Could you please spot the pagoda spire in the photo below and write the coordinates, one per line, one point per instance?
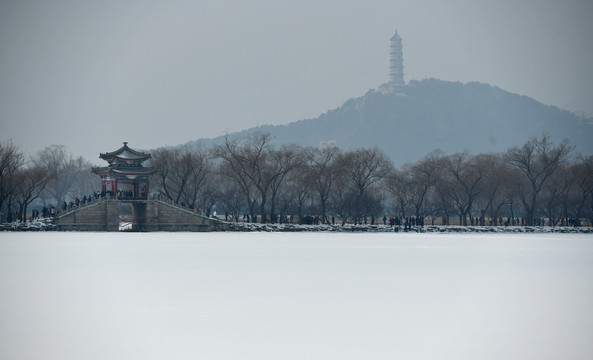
(396, 62)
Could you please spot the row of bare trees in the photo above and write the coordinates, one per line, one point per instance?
(535, 180)
(251, 176)
(52, 176)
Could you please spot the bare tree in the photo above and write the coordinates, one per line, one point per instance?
(365, 168)
(11, 160)
(537, 160)
(579, 202)
(322, 170)
(342, 199)
(63, 171)
(297, 197)
(199, 182)
(554, 194)
(424, 176)
(281, 163)
(183, 174)
(161, 159)
(231, 200)
(226, 169)
(398, 185)
(180, 173)
(496, 193)
(31, 181)
(464, 175)
(435, 206)
(86, 182)
(247, 163)
(210, 195)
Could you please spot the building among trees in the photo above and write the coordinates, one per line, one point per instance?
(396, 65)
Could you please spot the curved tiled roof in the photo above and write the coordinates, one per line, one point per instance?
(133, 170)
(124, 171)
(101, 170)
(125, 153)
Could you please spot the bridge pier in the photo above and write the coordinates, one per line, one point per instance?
(139, 216)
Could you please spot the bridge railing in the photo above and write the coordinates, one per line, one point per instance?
(191, 210)
(72, 206)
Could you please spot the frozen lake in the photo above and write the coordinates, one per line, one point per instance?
(295, 296)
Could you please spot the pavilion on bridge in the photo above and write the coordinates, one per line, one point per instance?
(125, 177)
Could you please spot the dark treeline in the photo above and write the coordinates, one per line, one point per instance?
(249, 178)
(50, 177)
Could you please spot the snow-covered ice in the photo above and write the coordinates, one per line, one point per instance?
(295, 296)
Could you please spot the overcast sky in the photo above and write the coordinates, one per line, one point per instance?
(92, 74)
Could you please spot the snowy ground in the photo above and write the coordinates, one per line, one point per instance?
(295, 296)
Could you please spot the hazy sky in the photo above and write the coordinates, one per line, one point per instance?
(92, 74)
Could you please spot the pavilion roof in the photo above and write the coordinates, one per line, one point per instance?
(124, 171)
(125, 153)
(136, 170)
(101, 170)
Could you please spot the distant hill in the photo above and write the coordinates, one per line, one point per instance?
(432, 114)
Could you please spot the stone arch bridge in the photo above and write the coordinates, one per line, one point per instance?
(103, 214)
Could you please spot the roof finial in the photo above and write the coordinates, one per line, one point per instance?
(125, 143)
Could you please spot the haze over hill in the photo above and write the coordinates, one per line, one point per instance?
(92, 74)
(426, 115)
